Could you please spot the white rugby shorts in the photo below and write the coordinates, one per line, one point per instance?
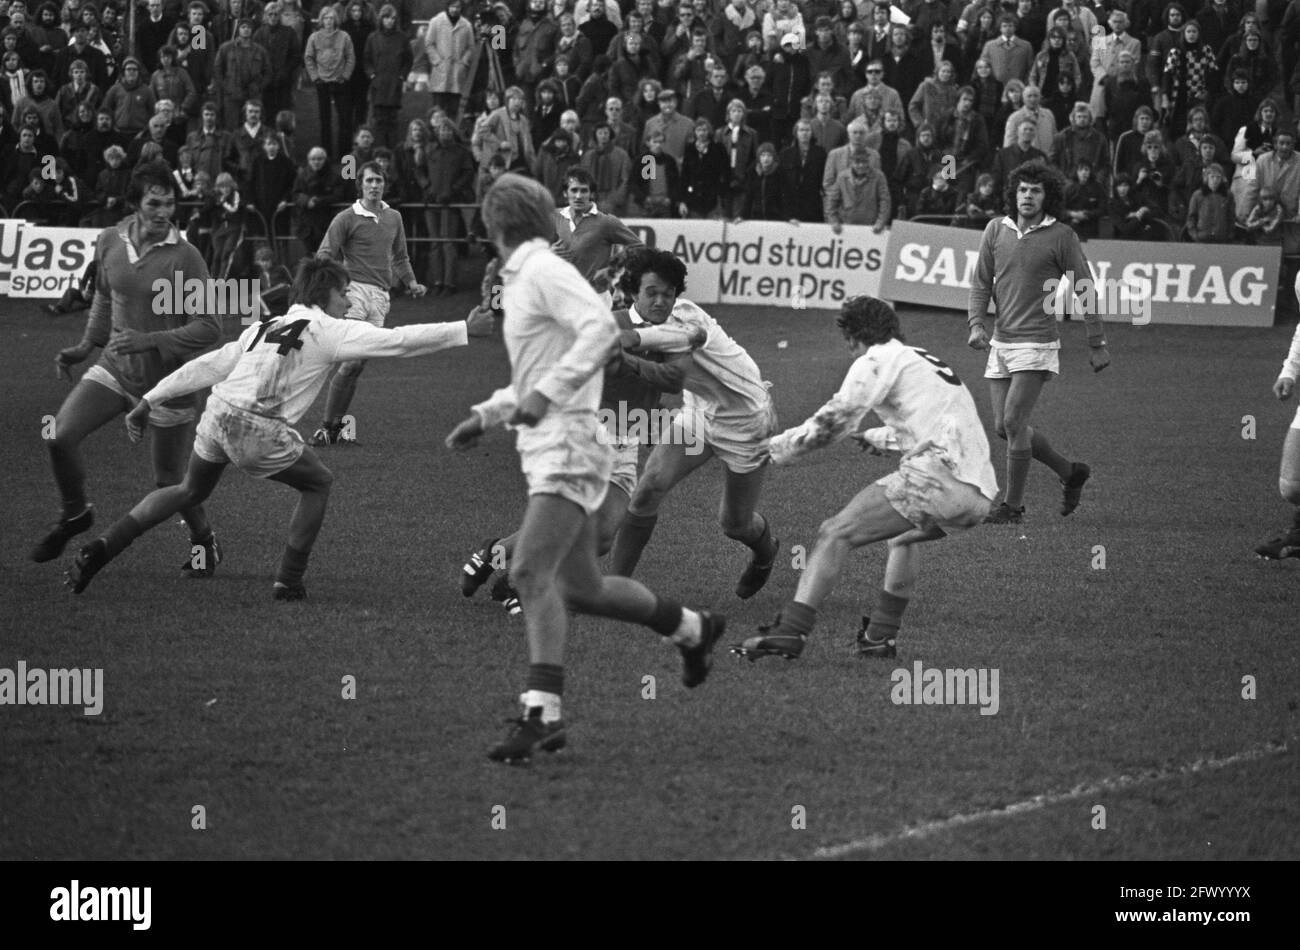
(740, 441)
(566, 455)
(925, 491)
(367, 302)
(1008, 358)
(627, 463)
(160, 416)
(254, 444)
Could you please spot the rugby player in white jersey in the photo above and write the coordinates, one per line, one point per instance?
(727, 413)
(944, 483)
(1287, 543)
(262, 384)
(559, 335)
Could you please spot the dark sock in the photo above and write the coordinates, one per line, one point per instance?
(546, 678)
(1043, 452)
(633, 535)
(763, 546)
(200, 530)
(797, 618)
(293, 564)
(121, 534)
(1295, 519)
(666, 618)
(1017, 474)
(887, 616)
(72, 507)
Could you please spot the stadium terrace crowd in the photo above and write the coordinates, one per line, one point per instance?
(1168, 119)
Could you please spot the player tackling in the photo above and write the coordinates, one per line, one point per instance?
(944, 483)
(559, 335)
(262, 384)
(1020, 258)
(726, 413)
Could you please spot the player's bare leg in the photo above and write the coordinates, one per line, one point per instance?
(612, 511)
(1013, 403)
(312, 480)
(1287, 543)
(200, 479)
(170, 447)
(741, 522)
(88, 407)
(866, 519)
(668, 464)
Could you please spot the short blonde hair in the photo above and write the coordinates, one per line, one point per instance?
(519, 209)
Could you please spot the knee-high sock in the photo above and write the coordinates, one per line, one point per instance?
(1017, 474)
(342, 389)
(887, 616)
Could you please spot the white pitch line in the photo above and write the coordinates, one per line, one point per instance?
(926, 829)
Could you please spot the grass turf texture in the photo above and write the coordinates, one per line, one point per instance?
(216, 696)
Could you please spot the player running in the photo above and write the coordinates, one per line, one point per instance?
(944, 483)
(726, 413)
(1020, 259)
(368, 238)
(634, 380)
(262, 384)
(1287, 543)
(141, 345)
(586, 237)
(559, 336)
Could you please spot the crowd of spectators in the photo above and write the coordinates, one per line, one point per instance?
(1167, 119)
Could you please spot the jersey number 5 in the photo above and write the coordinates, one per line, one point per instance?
(286, 337)
(944, 370)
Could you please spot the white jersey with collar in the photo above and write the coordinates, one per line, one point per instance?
(922, 403)
(722, 378)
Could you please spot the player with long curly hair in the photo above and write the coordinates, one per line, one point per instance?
(1024, 257)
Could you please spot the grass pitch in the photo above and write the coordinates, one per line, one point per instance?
(1122, 635)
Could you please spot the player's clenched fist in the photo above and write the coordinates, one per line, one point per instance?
(530, 410)
(979, 337)
(466, 434)
(1283, 388)
(69, 358)
(137, 419)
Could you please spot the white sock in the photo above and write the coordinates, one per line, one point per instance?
(549, 703)
(688, 631)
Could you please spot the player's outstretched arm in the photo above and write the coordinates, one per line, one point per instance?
(832, 422)
(199, 373)
(664, 338)
(358, 340)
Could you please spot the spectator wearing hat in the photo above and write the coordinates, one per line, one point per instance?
(81, 50)
(240, 71)
(130, 99)
(860, 195)
(791, 80)
(1210, 213)
(677, 129)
